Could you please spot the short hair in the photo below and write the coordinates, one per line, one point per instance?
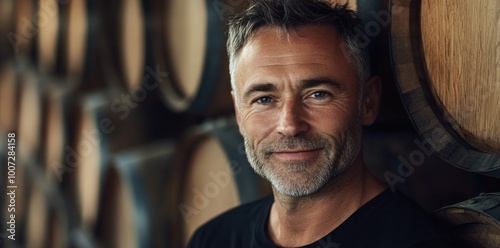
(289, 14)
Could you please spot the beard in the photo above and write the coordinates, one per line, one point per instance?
(304, 177)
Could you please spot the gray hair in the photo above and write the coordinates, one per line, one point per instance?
(288, 14)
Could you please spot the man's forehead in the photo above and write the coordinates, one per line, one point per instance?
(308, 44)
(268, 35)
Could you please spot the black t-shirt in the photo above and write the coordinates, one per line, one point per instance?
(388, 220)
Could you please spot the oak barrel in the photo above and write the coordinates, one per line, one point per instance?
(212, 175)
(9, 95)
(474, 222)
(58, 127)
(131, 214)
(46, 217)
(48, 23)
(445, 59)
(25, 30)
(124, 34)
(189, 43)
(83, 62)
(30, 112)
(7, 20)
(100, 129)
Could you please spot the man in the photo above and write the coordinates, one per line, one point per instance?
(302, 92)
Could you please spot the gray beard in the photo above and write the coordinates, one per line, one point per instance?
(302, 178)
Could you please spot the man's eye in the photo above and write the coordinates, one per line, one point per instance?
(319, 94)
(264, 100)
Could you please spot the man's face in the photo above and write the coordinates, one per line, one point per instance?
(296, 100)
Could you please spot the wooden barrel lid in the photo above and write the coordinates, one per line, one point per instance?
(77, 33)
(123, 35)
(187, 36)
(446, 64)
(8, 97)
(212, 175)
(48, 23)
(30, 114)
(89, 156)
(82, 60)
(460, 43)
(132, 27)
(190, 45)
(474, 222)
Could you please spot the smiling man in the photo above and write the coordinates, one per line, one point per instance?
(302, 91)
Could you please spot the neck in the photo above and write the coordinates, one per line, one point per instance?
(298, 221)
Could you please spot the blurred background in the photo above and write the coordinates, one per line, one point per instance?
(124, 125)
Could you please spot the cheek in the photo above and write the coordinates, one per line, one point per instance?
(332, 119)
(257, 126)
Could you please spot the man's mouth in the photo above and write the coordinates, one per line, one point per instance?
(297, 154)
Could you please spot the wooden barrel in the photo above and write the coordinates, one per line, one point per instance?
(131, 213)
(100, 130)
(30, 113)
(8, 96)
(46, 219)
(187, 38)
(83, 53)
(125, 37)
(445, 58)
(7, 20)
(22, 39)
(212, 175)
(76, 40)
(48, 23)
(58, 127)
(474, 222)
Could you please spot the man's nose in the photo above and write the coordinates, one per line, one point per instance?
(291, 120)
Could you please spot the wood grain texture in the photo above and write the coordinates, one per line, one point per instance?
(474, 222)
(461, 45)
(433, 121)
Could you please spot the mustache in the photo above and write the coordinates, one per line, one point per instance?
(295, 143)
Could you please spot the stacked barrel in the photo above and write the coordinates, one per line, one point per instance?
(124, 126)
(123, 119)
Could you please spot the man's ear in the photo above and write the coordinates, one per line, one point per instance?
(370, 104)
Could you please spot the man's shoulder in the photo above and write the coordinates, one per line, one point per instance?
(238, 222)
(397, 219)
(242, 213)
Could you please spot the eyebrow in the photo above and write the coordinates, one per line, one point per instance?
(263, 87)
(320, 81)
(304, 84)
